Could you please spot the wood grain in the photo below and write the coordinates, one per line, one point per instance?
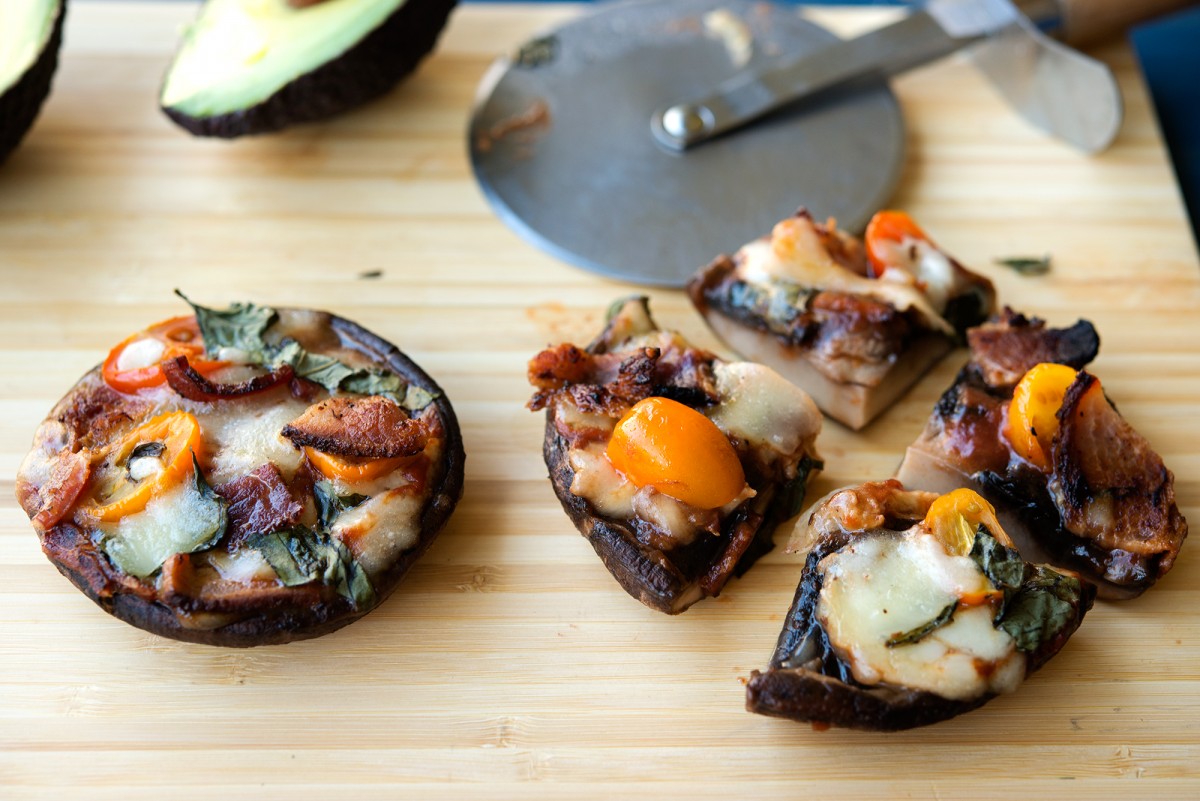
(510, 665)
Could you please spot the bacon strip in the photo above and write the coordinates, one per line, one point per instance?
(373, 427)
(258, 503)
(1109, 484)
(185, 380)
(59, 493)
(1008, 346)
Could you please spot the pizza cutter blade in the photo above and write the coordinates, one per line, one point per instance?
(561, 146)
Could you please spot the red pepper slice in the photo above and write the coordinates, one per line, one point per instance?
(180, 336)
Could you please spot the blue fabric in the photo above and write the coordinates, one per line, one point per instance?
(1169, 52)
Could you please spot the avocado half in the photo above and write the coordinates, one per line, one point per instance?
(30, 37)
(255, 66)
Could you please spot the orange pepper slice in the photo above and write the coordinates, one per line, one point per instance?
(115, 495)
(888, 226)
(673, 448)
(1032, 413)
(954, 518)
(180, 337)
(350, 469)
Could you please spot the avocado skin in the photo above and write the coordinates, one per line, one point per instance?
(20, 104)
(365, 71)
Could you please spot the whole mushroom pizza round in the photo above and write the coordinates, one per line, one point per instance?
(244, 476)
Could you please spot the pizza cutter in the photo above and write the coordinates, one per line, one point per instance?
(643, 139)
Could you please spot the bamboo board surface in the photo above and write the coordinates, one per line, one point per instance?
(510, 665)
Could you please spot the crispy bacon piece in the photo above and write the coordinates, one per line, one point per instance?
(67, 480)
(369, 428)
(189, 383)
(607, 383)
(259, 502)
(1008, 346)
(1109, 484)
(874, 505)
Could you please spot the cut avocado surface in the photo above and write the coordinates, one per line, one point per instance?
(30, 36)
(253, 66)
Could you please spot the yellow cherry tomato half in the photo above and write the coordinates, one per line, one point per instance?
(956, 516)
(117, 492)
(1032, 420)
(663, 444)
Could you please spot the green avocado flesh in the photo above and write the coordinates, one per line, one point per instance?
(239, 53)
(25, 27)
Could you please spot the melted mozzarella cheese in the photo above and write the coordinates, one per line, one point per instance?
(795, 253)
(380, 529)
(241, 436)
(178, 521)
(881, 586)
(599, 483)
(140, 353)
(760, 406)
(242, 566)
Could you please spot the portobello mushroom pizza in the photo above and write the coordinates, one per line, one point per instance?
(675, 465)
(853, 324)
(912, 608)
(244, 476)
(1073, 482)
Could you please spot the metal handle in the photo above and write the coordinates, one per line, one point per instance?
(941, 27)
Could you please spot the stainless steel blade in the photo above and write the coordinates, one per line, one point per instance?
(560, 146)
(1057, 89)
(939, 28)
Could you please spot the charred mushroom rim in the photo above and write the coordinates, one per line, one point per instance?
(675, 465)
(30, 38)
(255, 66)
(912, 609)
(1034, 433)
(244, 477)
(853, 324)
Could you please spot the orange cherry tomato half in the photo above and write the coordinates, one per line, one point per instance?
(1032, 413)
(178, 336)
(886, 229)
(663, 444)
(116, 495)
(955, 517)
(350, 469)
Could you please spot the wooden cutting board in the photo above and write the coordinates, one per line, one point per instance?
(510, 665)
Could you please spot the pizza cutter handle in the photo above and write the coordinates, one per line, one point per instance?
(1088, 21)
(750, 95)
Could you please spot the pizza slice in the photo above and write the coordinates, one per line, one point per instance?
(244, 476)
(1033, 432)
(912, 608)
(853, 324)
(675, 465)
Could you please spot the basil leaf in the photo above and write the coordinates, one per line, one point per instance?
(1042, 608)
(240, 326)
(416, 398)
(335, 375)
(1003, 566)
(300, 555)
(1027, 265)
(925, 629)
(374, 382)
(330, 505)
(215, 503)
(795, 490)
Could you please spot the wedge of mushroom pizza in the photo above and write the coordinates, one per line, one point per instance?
(1073, 482)
(244, 476)
(912, 608)
(853, 324)
(675, 465)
